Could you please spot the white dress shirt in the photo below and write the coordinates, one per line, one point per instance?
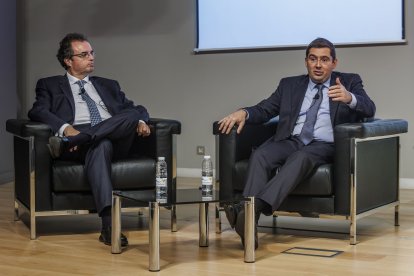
(82, 115)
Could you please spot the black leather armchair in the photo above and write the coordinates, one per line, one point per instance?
(363, 178)
(47, 187)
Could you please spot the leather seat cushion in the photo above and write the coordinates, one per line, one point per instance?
(319, 184)
(134, 173)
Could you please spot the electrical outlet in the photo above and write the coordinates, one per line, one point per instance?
(201, 150)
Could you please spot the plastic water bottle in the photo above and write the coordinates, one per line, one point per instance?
(161, 178)
(207, 176)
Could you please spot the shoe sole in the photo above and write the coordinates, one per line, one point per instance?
(108, 243)
(54, 147)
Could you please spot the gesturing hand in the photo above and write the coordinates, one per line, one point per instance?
(338, 93)
(227, 123)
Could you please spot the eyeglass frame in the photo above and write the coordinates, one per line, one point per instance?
(323, 60)
(84, 55)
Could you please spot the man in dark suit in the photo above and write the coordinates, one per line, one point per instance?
(309, 107)
(93, 120)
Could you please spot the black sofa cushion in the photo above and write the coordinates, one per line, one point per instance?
(136, 173)
(319, 184)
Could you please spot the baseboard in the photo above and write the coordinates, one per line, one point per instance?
(407, 183)
(6, 177)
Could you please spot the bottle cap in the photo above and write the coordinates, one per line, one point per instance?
(207, 156)
(161, 158)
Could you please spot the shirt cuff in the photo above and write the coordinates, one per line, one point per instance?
(353, 102)
(247, 113)
(61, 129)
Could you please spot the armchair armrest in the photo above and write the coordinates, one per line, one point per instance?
(166, 126)
(164, 143)
(377, 163)
(373, 128)
(233, 147)
(27, 128)
(28, 160)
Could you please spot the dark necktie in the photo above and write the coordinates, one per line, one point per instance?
(306, 135)
(93, 109)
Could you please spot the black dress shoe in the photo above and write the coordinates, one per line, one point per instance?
(57, 145)
(240, 229)
(106, 235)
(231, 214)
(232, 211)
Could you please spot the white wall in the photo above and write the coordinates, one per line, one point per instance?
(147, 46)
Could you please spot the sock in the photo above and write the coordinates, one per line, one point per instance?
(78, 140)
(262, 206)
(106, 217)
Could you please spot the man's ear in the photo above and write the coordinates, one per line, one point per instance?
(68, 62)
(335, 62)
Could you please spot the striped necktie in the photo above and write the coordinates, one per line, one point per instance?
(93, 109)
(306, 135)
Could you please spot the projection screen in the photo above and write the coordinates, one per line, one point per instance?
(248, 25)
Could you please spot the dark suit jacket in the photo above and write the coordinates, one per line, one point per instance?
(55, 105)
(287, 100)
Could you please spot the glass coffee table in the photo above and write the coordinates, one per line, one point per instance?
(179, 196)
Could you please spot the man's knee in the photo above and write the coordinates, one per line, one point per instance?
(258, 156)
(301, 158)
(104, 145)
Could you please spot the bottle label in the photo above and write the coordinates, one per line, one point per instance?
(161, 182)
(206, 180)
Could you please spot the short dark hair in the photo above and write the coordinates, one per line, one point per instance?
(65, 47)
(322, 43)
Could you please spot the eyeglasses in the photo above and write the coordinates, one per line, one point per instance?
(84, 55)
(322, 60)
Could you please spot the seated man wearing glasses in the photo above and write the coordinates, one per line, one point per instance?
(93, 120)
(309, 107)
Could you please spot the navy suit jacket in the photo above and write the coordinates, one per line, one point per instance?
(55, 105)
(287, 100)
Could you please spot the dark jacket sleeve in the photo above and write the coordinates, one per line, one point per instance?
(115, 99)
(45, 107)
(365, 106)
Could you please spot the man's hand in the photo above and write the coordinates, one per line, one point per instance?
(143, 129)
(71, 131)
(227, 123)
(338, 93)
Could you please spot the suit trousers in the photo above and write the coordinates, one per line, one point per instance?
(110, 139)
(293, 162)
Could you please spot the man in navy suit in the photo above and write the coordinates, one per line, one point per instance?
(93, 120)
(335, 97)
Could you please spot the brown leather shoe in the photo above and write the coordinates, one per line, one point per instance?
(106, 235)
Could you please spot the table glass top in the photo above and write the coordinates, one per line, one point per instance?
(179, 196)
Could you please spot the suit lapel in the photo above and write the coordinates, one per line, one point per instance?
(101, 92)
(297, 97)
(333, 106)
(67, 91)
